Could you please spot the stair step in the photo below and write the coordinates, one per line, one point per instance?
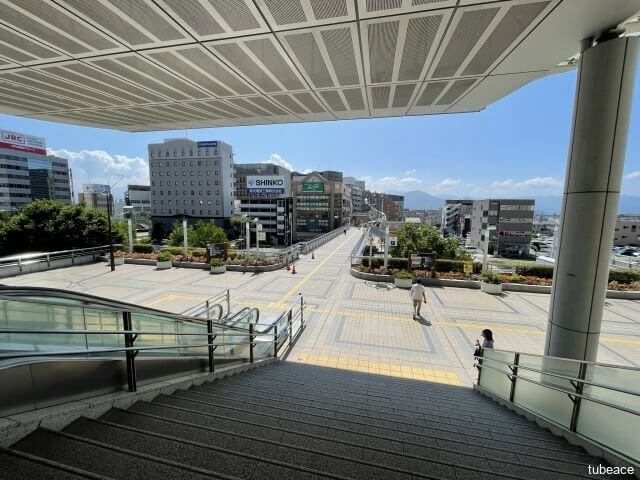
(385, 453)
(241, 456)
(19, 466)
(90, 456)
(196, 412)
(423, 427)
(293, 398)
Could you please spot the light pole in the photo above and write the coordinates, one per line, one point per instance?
(112, 260)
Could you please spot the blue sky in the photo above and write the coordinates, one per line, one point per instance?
(516, 146)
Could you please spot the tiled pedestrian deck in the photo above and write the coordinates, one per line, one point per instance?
(358, 325)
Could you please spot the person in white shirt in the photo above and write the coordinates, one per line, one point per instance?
(418, 295)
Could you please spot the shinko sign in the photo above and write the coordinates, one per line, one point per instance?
(266, 184)
(22, 142)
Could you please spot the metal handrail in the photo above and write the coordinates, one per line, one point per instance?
(47, 256)
(561, 390)
(559, 375)
(106, 304)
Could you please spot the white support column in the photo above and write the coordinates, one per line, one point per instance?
(590, 201)
(185, 239)
(130, 230)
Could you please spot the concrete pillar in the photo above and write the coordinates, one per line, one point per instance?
(590, 201)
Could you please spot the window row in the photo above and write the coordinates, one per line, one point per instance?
(185, 212)
(184, 202)
(184, 174)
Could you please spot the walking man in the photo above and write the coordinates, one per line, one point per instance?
(418, 295)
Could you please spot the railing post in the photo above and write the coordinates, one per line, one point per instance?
(206, 305)
(251, 343)
(48, 260)
(514, 373)
(301, 311)
(579, 386)
(290, 327)
(275, 341)
(20, 263)
(130, 354)
(210, 342)
(228, 301)
(72, 259)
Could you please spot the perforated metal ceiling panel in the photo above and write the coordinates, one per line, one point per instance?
(163, 64)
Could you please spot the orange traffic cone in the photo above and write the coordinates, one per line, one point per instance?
(293, 270)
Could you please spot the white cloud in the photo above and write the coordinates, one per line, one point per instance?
(99, 166)
(448, 182)
(632, 175)
(537, 182)
(392, 184)
(278, 160)
(410, 172)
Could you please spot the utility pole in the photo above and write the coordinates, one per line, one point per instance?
(185, 240)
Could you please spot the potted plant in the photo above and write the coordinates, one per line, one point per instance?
(491, 283)
(163, 261)
(403, 279)
(118, 258)
(218, 265)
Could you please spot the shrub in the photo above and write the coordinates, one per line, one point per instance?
(142, 248)
(490, 277)
(217, 262)
(516, 279)
(403, 274)
(542, 271)
(624, 276)
(144, 240)
(198, 252)
(173, 250)
(163, 256)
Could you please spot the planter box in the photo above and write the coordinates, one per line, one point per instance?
(403, 282)
(492, 288)
(163, 265)
(220, 269)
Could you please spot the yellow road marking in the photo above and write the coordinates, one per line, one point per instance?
(292, 291)
(174, 296)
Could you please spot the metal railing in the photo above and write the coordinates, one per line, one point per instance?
(38, 328)
(29, 258)
(598, 402)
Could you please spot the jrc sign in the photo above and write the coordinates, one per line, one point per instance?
(22, 142)
(313, 187)
(267, 184)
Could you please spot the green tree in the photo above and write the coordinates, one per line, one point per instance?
(176, 236)
(426, 238)
(206, 232)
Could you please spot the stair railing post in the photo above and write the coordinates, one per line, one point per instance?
(228, 301)
(290, 327)
(210, 342)
(251, 343)
(514, 375)
(130, 355)
(301, 311)
(275, 341)
(579, 386)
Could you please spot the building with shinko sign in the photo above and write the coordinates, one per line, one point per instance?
(322, 202)
(263, 191)
(193, 180)
(27, 173)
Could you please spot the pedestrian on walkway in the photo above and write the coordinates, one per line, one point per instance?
(487, 341)
(418, 295)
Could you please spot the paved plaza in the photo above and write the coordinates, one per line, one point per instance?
(354, 324)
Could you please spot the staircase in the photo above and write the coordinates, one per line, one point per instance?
(296, 421)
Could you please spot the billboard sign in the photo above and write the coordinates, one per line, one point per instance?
(22, 142)
(317, 187)
(208, 144)
(265, 184)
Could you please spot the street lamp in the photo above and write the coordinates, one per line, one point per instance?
(112, 260)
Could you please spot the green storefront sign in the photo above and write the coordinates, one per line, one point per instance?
(313, 187)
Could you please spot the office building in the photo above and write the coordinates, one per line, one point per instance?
(508, 222)
(319, 203)
(263, 191)
(393, 207)
(137, 199)
(456, 218)
(357, 193)
(97, 195)
(27, 173)
(627, 231)
(193, 180)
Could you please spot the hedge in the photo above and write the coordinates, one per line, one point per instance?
(542, 271)
(442, 265)
(546, 271)
(142, 248)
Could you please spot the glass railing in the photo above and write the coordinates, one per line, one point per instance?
(598, 402)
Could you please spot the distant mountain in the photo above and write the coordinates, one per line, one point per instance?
(418, 200)
(547, 204)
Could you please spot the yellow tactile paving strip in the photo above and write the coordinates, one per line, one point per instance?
(380, 368)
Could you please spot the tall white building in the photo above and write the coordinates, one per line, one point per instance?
(191, 179)
(97, 195)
